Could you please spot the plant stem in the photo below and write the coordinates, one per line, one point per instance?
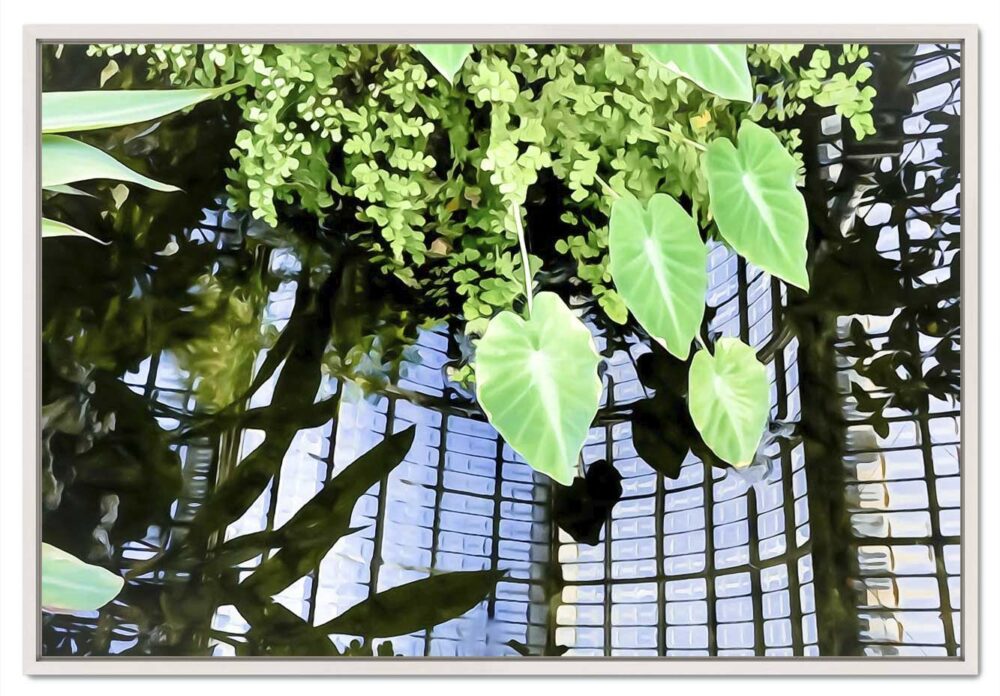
(516, 210)
(701, 343)
(607, 187)
(690, 142)
(694, 144)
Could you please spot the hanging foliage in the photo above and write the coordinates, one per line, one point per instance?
(536, 379)
(68, 161)
(657, 261)
(690, 137)
(756, 204)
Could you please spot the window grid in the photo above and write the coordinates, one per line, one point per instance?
(904, 491)
(750, 595)
(672, 574)
(460, 500)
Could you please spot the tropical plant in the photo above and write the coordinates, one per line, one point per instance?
(296, 549)
(648, 151)
(69, 584)
(66, 161)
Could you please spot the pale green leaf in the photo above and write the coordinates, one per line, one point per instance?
(66, 161)
(110, 70)
(729, 400)
(119, 193)
(447, 58)
(657, 260)
(68, 190)
(537, 382)
(69, 584)
(717, 68)
(54, 228)
(756, 204)
(64, 112)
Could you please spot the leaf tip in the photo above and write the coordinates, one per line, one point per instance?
(801, 281)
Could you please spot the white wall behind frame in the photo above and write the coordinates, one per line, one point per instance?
(14, 14)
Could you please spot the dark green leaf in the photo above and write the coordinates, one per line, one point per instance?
(277, 631)
(309, 535)
(416, 605)
(582, 508)
(295, 389)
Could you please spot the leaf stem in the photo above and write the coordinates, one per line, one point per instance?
(700, 341)
(693, 143)
(607, 187)
(526, 265)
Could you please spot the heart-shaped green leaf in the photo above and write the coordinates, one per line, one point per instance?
(756, 204)
(63, 112)
(447, 58)
(537, 383)
(717, 68)
(729, 400)
(54, 228)
(66, 161)
(69, 584)
(658, 265)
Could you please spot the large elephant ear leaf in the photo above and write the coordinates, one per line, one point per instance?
(70, 585)
(537, 382)
(66, 161)
(446, 58)
(756, 204)
(729, 400)
(64, 112)
(717, 68)
(658, 265)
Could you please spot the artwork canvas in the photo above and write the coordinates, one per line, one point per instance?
(518, 351)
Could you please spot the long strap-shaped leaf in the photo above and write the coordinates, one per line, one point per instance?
(65, 112)
(310, 534)
(416, 605)
(277, 631)
(69, 584)
(68, 190)
(54, 228)
(66, 161)
(295, 388)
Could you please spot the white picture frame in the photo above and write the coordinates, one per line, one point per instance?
(967, 664)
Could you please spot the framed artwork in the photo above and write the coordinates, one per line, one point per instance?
(518, 350)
